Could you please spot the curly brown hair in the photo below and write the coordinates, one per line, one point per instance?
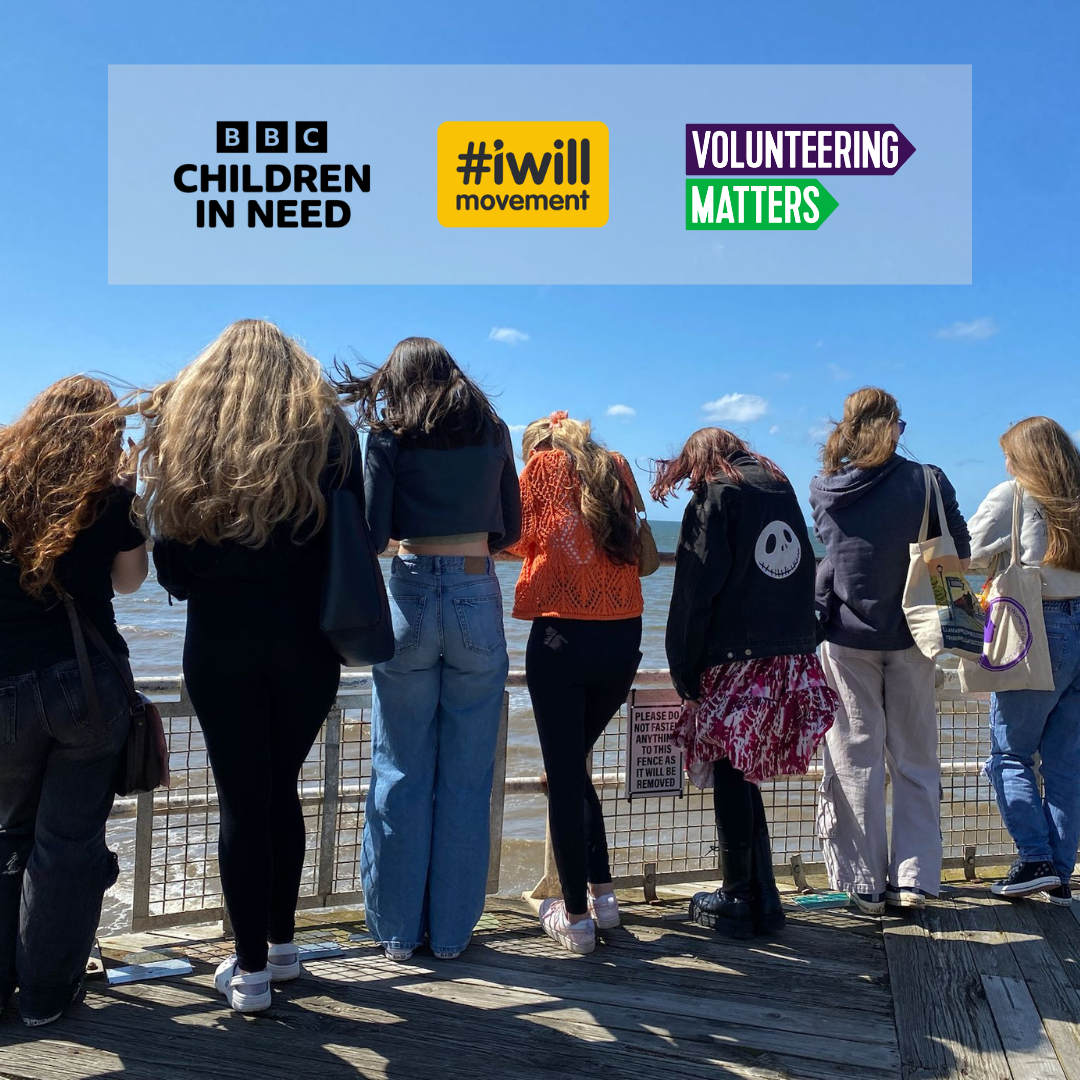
(58, 461)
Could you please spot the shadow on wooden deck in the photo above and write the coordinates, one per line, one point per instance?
(970, 987)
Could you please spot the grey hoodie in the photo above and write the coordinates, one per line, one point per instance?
(866, 518)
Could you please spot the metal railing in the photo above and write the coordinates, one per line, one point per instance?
(652, 839)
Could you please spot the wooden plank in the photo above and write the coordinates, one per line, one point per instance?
(706, 1032)
(978, 922)
(302, 1039)
(913, 1000)
(1047, 982)
(1062, 934)
(1027, 1047)
(943, 1021)
(716, 1008)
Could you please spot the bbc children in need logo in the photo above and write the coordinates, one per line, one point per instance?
(522, 174)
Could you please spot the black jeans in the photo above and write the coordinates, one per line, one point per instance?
(261, 695)
(57, 772)
(579, 672)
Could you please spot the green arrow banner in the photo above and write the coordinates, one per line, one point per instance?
(773, 203)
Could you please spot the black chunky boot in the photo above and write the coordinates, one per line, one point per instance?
(729, 910)
(768, 909)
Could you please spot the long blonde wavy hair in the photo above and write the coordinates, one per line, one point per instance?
(58, 461)
(864, 437)
(607, 505)
(234, 445)
(1044, 458)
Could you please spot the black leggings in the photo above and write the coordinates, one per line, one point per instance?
(737, 802)
(579, 672)
(261, 694)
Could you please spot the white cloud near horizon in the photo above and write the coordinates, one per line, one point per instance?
(624, 411)
(516, 428)
(507, 335)
(976, 330)
(740, 408)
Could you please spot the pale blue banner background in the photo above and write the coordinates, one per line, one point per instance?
(911, 228)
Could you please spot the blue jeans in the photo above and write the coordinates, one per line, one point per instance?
(434, 725)
(57, 772)
(1046, 722)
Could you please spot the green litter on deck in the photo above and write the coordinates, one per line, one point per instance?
(822, 900)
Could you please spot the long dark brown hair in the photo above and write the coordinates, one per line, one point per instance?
(864, 437)
(420, 395)
(605, 500)
(1044, 458)
(706, 458)
(58, 461)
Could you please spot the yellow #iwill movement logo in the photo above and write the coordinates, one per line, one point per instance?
(523, 173)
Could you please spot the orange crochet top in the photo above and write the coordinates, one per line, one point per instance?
(563, 573)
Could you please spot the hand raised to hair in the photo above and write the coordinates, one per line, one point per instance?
(128, 470)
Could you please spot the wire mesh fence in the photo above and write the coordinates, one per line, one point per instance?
(176, 877)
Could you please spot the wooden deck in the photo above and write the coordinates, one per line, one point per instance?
(971, 987)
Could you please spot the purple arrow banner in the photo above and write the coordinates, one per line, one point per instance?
(795, 149)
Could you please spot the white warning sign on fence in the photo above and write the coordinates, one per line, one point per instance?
(654, 764)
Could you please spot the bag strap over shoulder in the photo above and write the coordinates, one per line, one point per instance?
(1017, 520)
(932, 484)
(639, 502)
(928, 478)
(81, 629)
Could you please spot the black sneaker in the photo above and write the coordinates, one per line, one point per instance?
(1026, 878)
(1061, 896)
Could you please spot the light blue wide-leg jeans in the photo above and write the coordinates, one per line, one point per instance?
(434, 725)
(1023, 723)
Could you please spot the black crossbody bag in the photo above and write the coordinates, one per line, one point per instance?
(143, 764)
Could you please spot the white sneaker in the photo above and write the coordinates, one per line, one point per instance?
(245, 993)
(396, 952)
(450, 954)
(604, 910)
(283, 962)
(579, 937)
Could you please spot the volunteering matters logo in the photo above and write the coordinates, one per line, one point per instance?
(533, 174)
(763, 169)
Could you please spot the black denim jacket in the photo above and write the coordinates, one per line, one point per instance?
(744, 577)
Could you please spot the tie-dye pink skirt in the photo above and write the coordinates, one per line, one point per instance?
(766, 715)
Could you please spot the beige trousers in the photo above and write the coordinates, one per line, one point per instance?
(887, 716)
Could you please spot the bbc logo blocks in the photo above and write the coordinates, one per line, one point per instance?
(272, 137)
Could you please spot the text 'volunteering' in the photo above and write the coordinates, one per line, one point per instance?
(790, 149)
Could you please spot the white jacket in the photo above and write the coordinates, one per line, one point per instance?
(991, 533)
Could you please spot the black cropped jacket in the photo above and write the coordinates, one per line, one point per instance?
(744, 577)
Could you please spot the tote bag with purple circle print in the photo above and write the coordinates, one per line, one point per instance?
(1015, 654)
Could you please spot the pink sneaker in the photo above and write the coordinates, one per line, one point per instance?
(579, 937)
(604, 910)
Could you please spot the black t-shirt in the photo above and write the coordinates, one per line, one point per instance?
(35, 634)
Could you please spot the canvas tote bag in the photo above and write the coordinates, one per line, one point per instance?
(1015, 653)
(942, 612)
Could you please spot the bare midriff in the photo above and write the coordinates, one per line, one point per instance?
(458, 544)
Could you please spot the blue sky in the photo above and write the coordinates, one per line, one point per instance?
(965, 361)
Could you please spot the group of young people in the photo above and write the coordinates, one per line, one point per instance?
(237, 457)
